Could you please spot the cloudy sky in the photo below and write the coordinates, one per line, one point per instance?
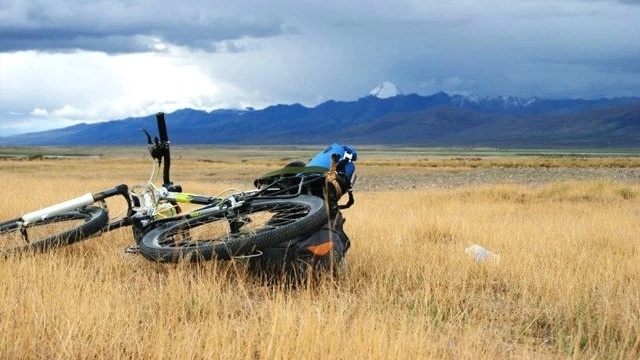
(65, 62)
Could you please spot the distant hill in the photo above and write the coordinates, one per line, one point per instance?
(395, 119)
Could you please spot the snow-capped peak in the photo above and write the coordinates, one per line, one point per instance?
(499, 101)
(386, 90)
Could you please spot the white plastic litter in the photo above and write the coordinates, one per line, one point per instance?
(481, 254)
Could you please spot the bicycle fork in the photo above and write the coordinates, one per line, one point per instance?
(77, 203)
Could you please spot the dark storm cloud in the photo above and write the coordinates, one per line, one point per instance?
(55, 39)
(126, 29)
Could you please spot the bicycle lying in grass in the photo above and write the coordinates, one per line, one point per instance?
(236, 225)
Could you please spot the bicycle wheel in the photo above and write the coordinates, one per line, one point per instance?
(223, 234)
(53, 231)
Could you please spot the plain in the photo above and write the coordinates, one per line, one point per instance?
(567, 284)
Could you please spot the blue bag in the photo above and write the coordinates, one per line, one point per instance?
(347, 156)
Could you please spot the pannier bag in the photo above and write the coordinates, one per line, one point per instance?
(321, 252)
(324, 249)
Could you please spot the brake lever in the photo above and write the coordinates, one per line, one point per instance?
(156, 149)
(148, 136)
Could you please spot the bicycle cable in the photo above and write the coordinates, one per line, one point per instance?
(154, 174)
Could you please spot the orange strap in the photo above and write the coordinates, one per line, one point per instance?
(322, 249)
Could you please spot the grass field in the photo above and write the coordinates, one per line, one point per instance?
(567, 284)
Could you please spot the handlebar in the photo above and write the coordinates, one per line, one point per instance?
(160, 150)
(121, 189)
(166, 153)
(162, 128)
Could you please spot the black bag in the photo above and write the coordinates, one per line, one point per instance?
(318, 253)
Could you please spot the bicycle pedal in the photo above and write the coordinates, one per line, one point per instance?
(132, 249)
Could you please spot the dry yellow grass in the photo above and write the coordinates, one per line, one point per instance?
(567, 285)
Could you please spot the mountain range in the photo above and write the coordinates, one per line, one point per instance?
(384, 117)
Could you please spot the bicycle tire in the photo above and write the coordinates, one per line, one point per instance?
(53, 231)
(285, 219)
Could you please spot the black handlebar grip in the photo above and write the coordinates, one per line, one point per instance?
(121, 189)
(162, 127)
